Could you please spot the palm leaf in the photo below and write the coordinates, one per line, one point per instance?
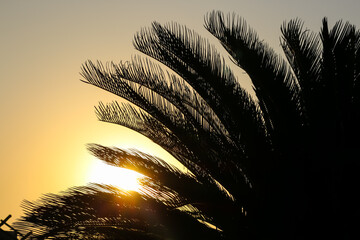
(303, 51)
(274, 84)
(98, 206)
(214, 150)
(198, 63)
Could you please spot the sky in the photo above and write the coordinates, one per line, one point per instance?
(47, 113)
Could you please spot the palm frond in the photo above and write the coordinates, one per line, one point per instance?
(339, 63)
(274, 84)
(194, 60)
(214, 150)
(98, 206)
(303, 51)
(156, 105)
(143, 163)
(192, 190)
(128, 116)
(198, 63)
(171, 87)
(143, 123)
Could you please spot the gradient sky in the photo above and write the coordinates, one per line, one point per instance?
(47, 114)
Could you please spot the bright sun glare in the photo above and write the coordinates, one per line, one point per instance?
(123, 178)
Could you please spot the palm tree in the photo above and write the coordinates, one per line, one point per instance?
(279, 165)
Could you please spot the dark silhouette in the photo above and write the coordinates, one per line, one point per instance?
(13, 233)
(281, 165)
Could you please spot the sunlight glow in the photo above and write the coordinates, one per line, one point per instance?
(125, 179)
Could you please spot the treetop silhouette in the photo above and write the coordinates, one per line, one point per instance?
(280, 165)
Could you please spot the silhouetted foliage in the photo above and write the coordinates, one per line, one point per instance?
(281, 165)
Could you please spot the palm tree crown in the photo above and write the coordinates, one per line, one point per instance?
(278, 165)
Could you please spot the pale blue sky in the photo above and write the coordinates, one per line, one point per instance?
(47, 113)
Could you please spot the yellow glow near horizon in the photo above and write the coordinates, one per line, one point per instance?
(122, 178)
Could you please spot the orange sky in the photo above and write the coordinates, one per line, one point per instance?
(47, 114)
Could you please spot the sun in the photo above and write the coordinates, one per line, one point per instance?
(103, 173)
